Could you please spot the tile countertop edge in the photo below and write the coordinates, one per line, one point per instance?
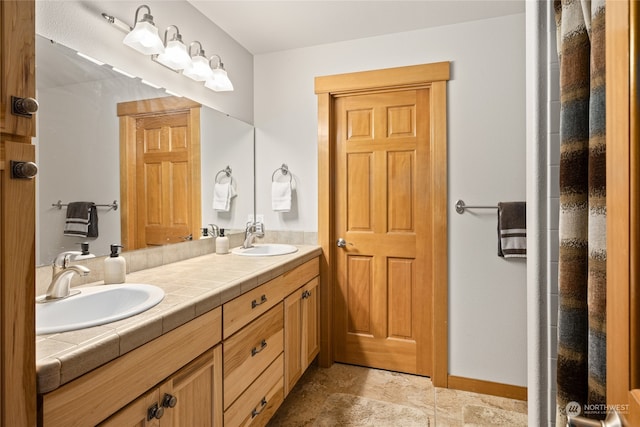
(76, 352)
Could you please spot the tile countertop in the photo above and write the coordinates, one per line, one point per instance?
(192, 287)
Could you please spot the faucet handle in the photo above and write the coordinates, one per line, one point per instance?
(63, 258)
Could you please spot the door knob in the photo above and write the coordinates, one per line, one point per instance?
(23, 170)
(23, 107)
(341, 243)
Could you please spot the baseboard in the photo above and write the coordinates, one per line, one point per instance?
(488, 387)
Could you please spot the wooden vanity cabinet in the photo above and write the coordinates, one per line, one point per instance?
(182, 362)
(190, 397)
(302, 331)
(255, 355)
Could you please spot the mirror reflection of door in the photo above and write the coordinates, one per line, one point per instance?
(159, 171)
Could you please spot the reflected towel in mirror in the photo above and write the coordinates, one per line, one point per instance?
(82, 220)
(222, 195)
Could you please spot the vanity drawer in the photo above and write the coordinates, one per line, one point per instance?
(250, 351)
(241, 310)
(259, 402)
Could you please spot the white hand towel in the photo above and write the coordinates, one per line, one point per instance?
(222, 194)
(281, 196)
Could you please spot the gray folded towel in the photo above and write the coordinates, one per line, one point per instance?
(82, 220)
(512, 229)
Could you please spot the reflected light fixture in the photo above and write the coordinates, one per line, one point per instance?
(144, 36)
(199, 70)
(175, 54)
(219, 81)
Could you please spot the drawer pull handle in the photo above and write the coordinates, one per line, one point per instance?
(256, 412)
(256, 350)
(255, 303)
(306, 294)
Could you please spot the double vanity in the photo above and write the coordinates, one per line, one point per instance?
(229, 340)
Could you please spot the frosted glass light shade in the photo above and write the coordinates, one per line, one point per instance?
(199, 70)
(220, 81)
(175, 56)
(144, 38)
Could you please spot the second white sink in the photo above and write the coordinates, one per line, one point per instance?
(265, 249)
(95, 305)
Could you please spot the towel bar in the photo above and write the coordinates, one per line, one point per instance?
(460, 207)
(226, 171)
(113, 205)
(284, 170)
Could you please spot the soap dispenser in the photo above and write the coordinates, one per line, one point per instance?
(115, 267)
(222, 243)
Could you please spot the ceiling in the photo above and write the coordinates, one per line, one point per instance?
(268, 26)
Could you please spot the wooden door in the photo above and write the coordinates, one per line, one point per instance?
(162, 172)
(17, 218)
(159, 171)
(383, 296)
(428, 83)
(623, 210)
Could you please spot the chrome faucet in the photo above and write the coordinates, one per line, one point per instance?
(60, 286)
(253, 230)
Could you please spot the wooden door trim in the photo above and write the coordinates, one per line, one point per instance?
(327, 88)
(623, 204)
(129, 112)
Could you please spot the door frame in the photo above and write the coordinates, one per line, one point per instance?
(623, 207)
(129, 112)
(327, 88)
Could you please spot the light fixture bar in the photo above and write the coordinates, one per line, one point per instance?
(90, 58)
(117, 23)
(124, 73)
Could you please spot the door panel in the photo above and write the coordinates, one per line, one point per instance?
(163, 178)
(379, 147)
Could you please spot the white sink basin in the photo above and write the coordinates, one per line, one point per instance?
(95, 305)
(265, 249)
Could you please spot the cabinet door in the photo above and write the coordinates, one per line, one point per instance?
(17, 218)
(292, 340)
(136, 414)
(17, 63)
(193, 395)
(190, 397)
(302, 334)
(310, 321)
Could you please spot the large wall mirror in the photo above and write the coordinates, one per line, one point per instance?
(78, 139)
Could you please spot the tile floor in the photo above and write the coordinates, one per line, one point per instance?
(345, 395)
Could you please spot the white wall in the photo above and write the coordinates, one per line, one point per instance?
(80, 26)
(486, 139)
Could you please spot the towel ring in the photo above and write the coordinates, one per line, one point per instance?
(226, 171)
(284, 170)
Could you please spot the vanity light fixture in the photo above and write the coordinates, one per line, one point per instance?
(199, 70)
(220, 81)
(144, 36)
(175, 54)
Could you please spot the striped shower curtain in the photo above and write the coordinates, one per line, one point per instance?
(581, 369)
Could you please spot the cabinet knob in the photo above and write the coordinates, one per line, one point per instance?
(169, 400)
(24, 107)
(23, 170)
(155, 411)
